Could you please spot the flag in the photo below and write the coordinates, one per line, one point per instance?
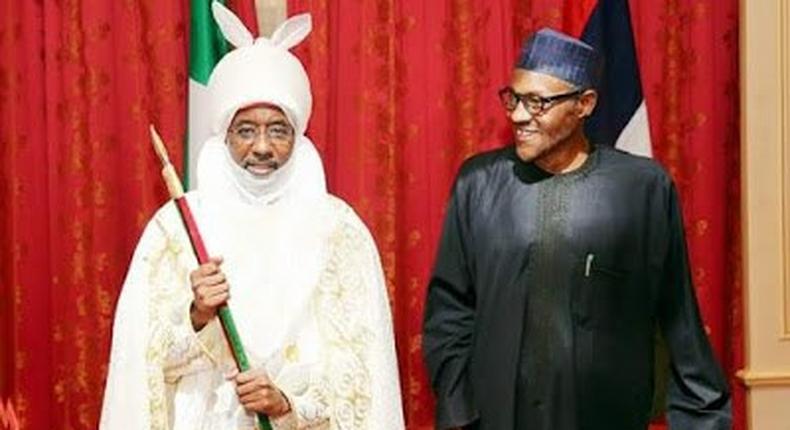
(620, 119)
(206, 48)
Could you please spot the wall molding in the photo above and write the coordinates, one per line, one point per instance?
(765, 178)
(764, 379)
(784, 84)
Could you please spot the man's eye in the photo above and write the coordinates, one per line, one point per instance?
(246, 132)
(278, 131)
(534, 101)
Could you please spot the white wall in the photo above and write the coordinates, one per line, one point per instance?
(765, 98)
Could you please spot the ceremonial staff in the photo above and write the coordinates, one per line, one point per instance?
(176, 191)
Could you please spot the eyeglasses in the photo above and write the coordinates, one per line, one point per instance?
(534, 103)
(274, 133)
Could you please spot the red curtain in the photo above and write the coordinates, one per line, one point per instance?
(404, 91)
(80, 80)
(689, 60)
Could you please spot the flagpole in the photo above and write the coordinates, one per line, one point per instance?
(176, 191)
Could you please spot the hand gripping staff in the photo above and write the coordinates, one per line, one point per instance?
(176, 191)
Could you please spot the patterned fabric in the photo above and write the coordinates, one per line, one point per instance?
(556, 54)
(337, 369)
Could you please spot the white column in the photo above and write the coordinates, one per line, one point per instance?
(765, 143)
(270, 14)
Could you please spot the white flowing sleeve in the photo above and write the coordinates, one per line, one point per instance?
(127, 395)
(174, 344)
(153, 340)
(356, 385)
(386, 406)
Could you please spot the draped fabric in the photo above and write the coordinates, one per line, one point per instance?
(403, 91)
(80, 80)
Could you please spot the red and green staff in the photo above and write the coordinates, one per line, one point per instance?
(176, 191)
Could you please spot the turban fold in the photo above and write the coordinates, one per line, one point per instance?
(261, 70)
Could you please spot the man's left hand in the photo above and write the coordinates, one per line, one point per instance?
(258, 394)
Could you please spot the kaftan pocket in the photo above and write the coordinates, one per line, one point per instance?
(600, 297)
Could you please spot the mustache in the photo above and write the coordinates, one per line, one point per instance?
(521, 123)
(525, 125)
(269, 163)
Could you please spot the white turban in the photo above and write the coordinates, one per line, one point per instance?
(271, 231)
(261, 70)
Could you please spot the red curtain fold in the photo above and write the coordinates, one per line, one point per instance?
(404, 91)
(80, 80)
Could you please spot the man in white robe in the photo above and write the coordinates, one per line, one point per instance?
(299, 269)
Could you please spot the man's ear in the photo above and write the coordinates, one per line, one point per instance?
(587, 102)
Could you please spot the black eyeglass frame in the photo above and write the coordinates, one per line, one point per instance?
(538, 104)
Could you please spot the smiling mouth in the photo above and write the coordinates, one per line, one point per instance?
(261, 169)
(524, 133)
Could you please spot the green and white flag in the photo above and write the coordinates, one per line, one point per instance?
(206, 48)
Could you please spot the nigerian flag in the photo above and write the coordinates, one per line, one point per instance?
(206, 47)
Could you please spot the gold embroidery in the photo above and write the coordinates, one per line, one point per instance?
(292, 353)
(166, 275)
(340, 304)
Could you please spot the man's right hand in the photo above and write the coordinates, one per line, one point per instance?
(209, 290)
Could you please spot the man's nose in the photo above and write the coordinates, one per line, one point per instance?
(520, 113)
(261, 146)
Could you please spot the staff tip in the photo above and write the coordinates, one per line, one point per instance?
(159, 146)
